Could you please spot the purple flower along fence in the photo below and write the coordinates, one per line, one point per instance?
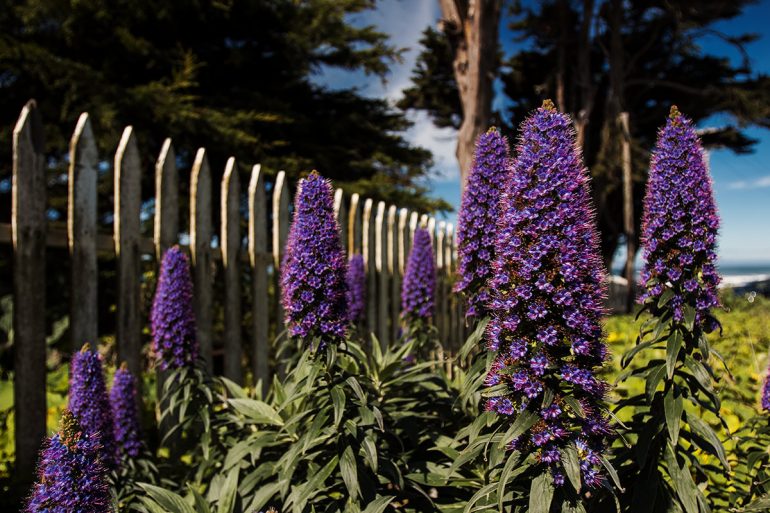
(381, 234)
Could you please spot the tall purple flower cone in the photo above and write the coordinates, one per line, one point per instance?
(679, 226)
(89, 403)
(419, 284)
(356, 289)
(313, 286)
(125, 413)
(547, 294)
(71, 476)
(766, 392)
(477, 219)
(172, 317)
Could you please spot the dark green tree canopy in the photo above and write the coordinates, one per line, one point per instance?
(234, 76)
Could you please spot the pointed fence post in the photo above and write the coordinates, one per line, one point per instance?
(383, 285)
(260, 317)
(166, 229)
(354, 225)
(200, 250)
(340, 214)
(280, 233)
(230, 244)
(128, 183)
(393, 271)
(368, 251)
(28, 225)
(81, 234)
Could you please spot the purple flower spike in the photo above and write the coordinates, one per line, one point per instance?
(679, 226)
(172, 317)
(419, 285)
(546, 299)
(356, 289)
(71, 477)
(313, 287)
(125, 413)
(476, 222)
(89, 403)
(766, 392)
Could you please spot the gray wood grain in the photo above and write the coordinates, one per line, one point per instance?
(260, 317)
(81, 234)
(128, 190)
(230, 244)
(28, 206)
(201, 253)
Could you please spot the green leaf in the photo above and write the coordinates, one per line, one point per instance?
(569, 457)
(512, 461)
(629, 355)
(371, 453)
(201, 506)
(682, 482)
(378, 505)
(353, 382)
(689, 317)
(673, 406)
(541, 493)
(167, 500)
(653, 380)
(257, 411)
(703, 430)
(760, 504)
(263, 495)
(673, 346)
(472, 342)
(521, 424)
(349, 472)
(228, 492)
(612, 472)
(665, 297)
(338, 399)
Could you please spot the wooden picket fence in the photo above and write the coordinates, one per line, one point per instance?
(381, 233)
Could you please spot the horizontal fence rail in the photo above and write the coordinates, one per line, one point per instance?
(382, 233)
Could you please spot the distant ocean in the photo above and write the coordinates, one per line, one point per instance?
(733, 274)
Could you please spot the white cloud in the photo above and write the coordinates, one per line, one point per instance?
(440, 141)
(758, 183)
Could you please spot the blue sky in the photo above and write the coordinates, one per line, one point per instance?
(741, 182)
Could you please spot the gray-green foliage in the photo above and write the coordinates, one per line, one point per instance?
(350, 428)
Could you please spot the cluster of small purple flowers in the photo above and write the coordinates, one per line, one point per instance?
(71, 476)
(477, 219)
(89, 403)
(419, 285)
(766, 392)
(546, 300)
(313, 286)
(356, 289)
(679, 225)
(125, 413)
(172, 318)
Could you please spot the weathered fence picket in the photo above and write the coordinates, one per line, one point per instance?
(128, 191)
(230, 244)
(259, 260)
(201, 253)
(166, 229)
(381, 233)
(81, 233)
(28, 205)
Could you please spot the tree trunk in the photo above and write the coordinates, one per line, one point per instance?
(584, 78)
(471, 26)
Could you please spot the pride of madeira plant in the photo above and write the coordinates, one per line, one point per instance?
(71, 474)
(675, 453)
(544, 396)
